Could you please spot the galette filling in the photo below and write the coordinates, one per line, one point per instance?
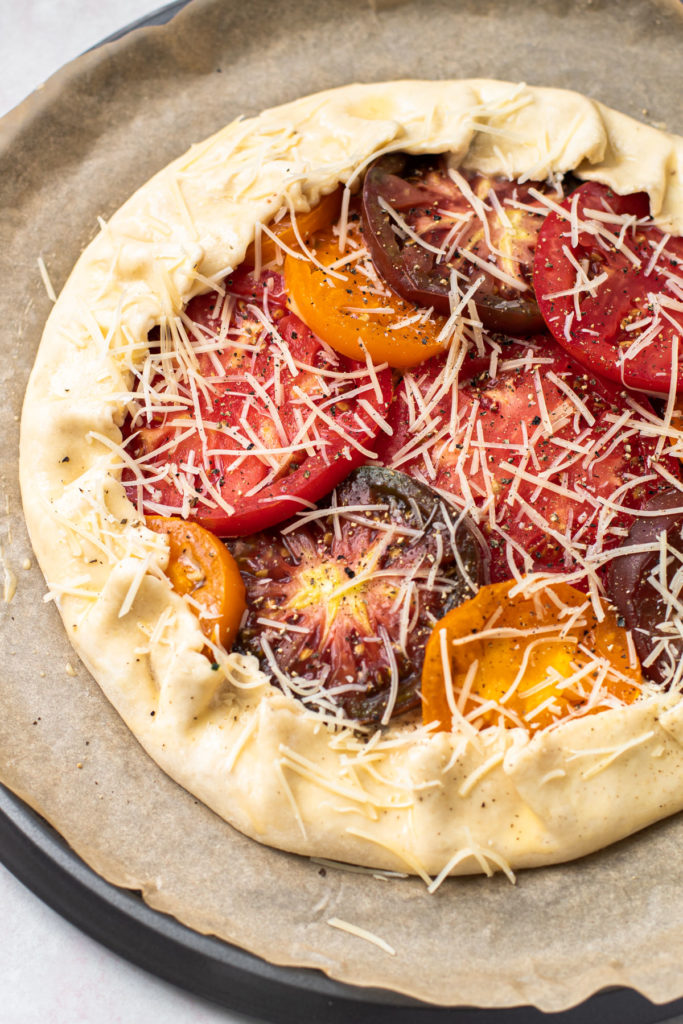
(420, 453)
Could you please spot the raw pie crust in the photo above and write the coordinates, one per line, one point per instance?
(409, 801)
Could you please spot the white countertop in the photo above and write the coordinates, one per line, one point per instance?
(50, 973)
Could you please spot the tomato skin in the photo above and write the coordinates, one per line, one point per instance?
(247, 288)
(318, 217)
(509, 411)
(336, 590)
(298, 489)
(641, 606)
(200, 565)
(421, 190)
(600, 338)
(230, 399)
(331, 307)
(500, 658)
(476, 367)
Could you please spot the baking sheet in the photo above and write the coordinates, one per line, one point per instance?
(74, 151)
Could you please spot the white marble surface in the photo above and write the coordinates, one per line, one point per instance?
(50, 973)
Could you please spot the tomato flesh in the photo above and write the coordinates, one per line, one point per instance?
(264, 421)
(200, 566)
(354, 312)
(475, 439)
(319, 216)
(533, 665)
(624, 325)
(461, 230)
(268, 288)
(349, 599)
(646, 587)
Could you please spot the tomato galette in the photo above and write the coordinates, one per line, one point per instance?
(357, 433)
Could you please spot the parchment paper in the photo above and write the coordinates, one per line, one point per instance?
(75, 150)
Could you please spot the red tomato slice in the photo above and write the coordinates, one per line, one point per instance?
(625, 325)
(508, 353)
(270, 285)
(540, 493)
(265, 422)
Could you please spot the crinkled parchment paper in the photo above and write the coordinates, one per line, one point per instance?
(75, 150)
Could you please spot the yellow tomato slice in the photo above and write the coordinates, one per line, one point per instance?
(348, 314)
(319, 216)
(528, 661)
(201, 566)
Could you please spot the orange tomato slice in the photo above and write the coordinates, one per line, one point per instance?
(319, 216)
(201, 566)
(677, 423)
(526, 661)
(348, 315)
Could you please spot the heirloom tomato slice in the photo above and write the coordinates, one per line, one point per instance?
(609, 283)
(526, 660)
(646, 585)
(201, 567)
(247, 420)
(319, 216)
(266, 290)
(424, 221)
(538, 450)
(352, 310)
(342, 601)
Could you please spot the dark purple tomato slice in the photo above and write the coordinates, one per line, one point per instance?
(609, 288)
(422, 221)
(256, 422)
(538, 450)
(640, 582)
(349, 598)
